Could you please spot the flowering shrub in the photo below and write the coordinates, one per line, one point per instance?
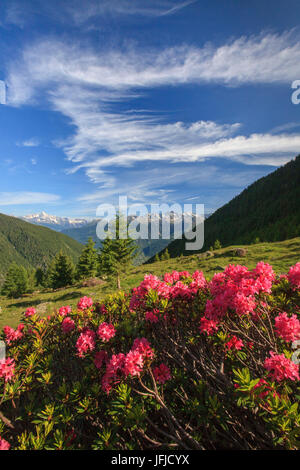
(64, 311)
(178, 362)
(30, 311)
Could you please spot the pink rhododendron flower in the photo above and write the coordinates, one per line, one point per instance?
(142, 345)
(208, 326)
(64, 311)
(199, 280)
(30, 311)
(11, 334)
(114, 371)
(106, 331)
(100, 358)
(151, 317)
(4, 445)
(243, 304)
(68, 325)
(235, 290)
(287, 328)
(85, 303)
(234, 343)
(265, 389)
(103, 310)
(171, 287)
(294, 276)
(86, 342)
(7, 369)
(133, 363)
(281, 368)
(162, 373)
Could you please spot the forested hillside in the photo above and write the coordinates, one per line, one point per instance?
(31, 245)
(268, 210)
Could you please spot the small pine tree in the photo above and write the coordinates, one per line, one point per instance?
(156, 258)
(48, 274)
(116, 254)
(165, 255)
(31, 281)
(217, 245)
(16, 281)
(62, 271)
(88, 262)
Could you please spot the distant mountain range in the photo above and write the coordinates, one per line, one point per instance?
(148, 247)
(268, 210)
(81, 229)
(54, 222)
(31, 245)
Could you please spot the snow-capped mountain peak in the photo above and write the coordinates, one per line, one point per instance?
(53, 221)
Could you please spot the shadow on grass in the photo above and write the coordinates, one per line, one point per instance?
(26, 303)
(69, 296)
(35, 302)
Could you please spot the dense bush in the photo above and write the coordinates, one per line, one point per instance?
(177, 363)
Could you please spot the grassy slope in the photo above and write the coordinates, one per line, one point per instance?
(281, 255)
(29, 245)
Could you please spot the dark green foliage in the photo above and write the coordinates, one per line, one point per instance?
(88, 262)
(165, 255)
(267, 210)
(40, 277)
(217, 245)
(28, 245)
(62, 271)
(16, 281)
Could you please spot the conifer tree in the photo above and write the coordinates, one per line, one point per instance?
(165, 255)
(88, 262)
(62, 271)
(16, 281)
(217, 245)
(116, 254)
(156, 258)
(40, 277)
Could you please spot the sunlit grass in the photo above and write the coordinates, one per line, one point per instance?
(281, 255)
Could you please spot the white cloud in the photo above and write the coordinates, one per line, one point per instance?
(269, 58)
(26, 197)
(95, 9)
(86, 85)
(33, 142)
(87, 14)
(171, 183)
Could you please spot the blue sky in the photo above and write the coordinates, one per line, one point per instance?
(162, 101)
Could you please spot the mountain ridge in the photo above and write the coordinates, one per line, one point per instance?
(267, 210)
(31, 245)
(53, 221)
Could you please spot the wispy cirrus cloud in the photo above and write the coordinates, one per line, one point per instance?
(20, 13)
(94, 9)
(86, 85)
(266, 58)
(33, 142)
(26, 197)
